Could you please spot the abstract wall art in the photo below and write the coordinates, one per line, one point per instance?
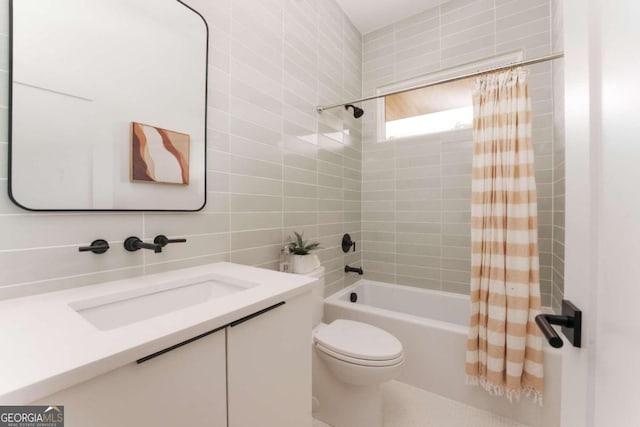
(159, 155)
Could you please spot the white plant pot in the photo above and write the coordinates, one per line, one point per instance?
(302, 264)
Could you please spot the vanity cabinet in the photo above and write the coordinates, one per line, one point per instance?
(269, 367)
(182, 387)
(258, 368)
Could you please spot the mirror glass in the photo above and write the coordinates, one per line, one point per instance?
(108, 105)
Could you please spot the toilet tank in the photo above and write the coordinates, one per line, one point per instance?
(317, 293)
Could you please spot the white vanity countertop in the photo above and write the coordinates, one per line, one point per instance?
(46, 346)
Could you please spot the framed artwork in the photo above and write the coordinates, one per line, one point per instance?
(159, 155)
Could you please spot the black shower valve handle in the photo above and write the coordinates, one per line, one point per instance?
(347, 243)
(163, 240)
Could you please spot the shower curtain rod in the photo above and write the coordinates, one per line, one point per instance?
(321, 108)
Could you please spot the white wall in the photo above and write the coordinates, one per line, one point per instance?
(603, 211)
(618, 336)
(274, 165)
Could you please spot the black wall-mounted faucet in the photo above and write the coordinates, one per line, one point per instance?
(133, 244)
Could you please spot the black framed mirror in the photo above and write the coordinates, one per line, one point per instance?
(107, 105)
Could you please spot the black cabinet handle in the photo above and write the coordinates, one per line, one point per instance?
(98, 247)
(180, 344)
(256, 314)
(190, 340)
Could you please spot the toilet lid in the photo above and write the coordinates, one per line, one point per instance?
(359, 340)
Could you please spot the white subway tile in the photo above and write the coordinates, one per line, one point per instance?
(269, 64)
(425, 31)
(217, 181)
(255, 203)
(255, 114)
(181, 224)
(244, 147)
(463, 24)
(255, 220)
(298, 219)
(252, 167)
(242, 128)
(460, 9)
(541, 25)
(254, 78)
(59, 262)
(300, 204)
(243, 184)
(470, 36)
(257, 256)
(65, 229)
(512, 7)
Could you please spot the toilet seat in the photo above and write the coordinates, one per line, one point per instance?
(359, 343)
(362, 362)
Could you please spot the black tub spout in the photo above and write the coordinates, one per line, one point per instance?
(358, 270)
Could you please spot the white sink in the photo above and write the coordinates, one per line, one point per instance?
(121, 309)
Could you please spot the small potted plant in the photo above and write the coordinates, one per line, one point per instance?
(302, 260)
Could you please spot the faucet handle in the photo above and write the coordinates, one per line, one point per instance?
(98, 246)
(163, 240)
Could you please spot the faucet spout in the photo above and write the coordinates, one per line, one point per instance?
(156, 248)
(358, 270)
(133, 244)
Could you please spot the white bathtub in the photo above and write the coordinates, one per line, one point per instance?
(432, 327)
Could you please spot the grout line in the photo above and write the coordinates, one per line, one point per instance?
(188, 258)
(527, 9)
(3, 288)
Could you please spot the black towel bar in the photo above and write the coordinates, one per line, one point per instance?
(570, 320)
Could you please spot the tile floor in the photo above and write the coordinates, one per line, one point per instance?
(408, 406)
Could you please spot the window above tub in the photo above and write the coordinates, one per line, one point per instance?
(429, 110)
(434, 109)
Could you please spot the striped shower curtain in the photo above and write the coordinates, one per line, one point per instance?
(504, 348)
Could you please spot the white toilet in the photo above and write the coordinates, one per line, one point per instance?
(350, 362)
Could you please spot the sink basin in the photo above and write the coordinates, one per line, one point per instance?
(121, 309)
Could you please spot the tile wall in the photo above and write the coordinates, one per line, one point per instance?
(274, 165)
(416, 192)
